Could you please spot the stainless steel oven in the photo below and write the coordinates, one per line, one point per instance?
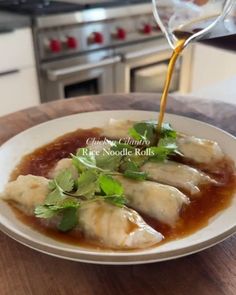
(144, 67)
(83, 75)
(101, 49)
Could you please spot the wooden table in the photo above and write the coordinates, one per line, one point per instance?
(24, 271)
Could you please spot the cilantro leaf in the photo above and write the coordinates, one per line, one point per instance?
(65, 180)
(132, 171)
(137, 175)
(147, 131)
(68, 202)
(168, 131)
(168, 143)
(69, 219)
(49, 210)
(110, 186)
(106, 161)
(135, 134)
(137, 159)
(165, 148)
(54, 197)
(158, 153)
(109, 161)
(87, 184)
(44, 211)
(113, 190)
(143, 131)
(84, 159)
(61, 184)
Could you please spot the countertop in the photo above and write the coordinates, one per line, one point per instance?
(11, 21)
(24, 271)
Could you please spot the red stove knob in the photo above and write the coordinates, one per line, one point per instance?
(71, 42)
(147, 29)
(55, 45)
(120, 34)
(96, 38)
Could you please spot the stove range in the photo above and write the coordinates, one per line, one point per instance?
(79, 45)
(47, 7)
(62, 29)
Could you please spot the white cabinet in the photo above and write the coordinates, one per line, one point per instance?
(213, 74)
(16, 49)
(18, 77)
(211, 65)
(19, 90)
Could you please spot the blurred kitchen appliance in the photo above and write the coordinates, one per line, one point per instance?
(195, 20)
(144, 68)
(104, 47)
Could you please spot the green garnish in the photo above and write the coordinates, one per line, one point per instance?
(165, 148)
(66, 207)
(43, 211)
(108, 162)
(67, 195)
(87, 184)
(84, 159)
(113, 190)
(63, 181)
(110, 186)
(167, 131)
(69, 219)
(131, 170)
(96, 171)
(144, 131)
(158, 149)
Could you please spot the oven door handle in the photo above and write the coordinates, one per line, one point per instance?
(54, 75)
(142, 53)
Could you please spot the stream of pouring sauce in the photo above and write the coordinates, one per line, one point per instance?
(182, 36)
(176, 53)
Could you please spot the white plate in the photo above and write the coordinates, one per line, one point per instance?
(220, 227)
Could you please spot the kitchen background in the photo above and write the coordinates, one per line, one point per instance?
(61, 49)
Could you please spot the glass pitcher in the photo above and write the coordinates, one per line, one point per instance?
(193, 19)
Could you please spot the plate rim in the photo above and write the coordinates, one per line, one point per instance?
(81, 257)
(116, 110)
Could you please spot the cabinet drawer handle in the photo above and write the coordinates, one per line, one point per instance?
(53, 75)
(9, 72)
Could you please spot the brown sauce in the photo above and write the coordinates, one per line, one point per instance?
(44, 158)
(213, 198)
(171, 66)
